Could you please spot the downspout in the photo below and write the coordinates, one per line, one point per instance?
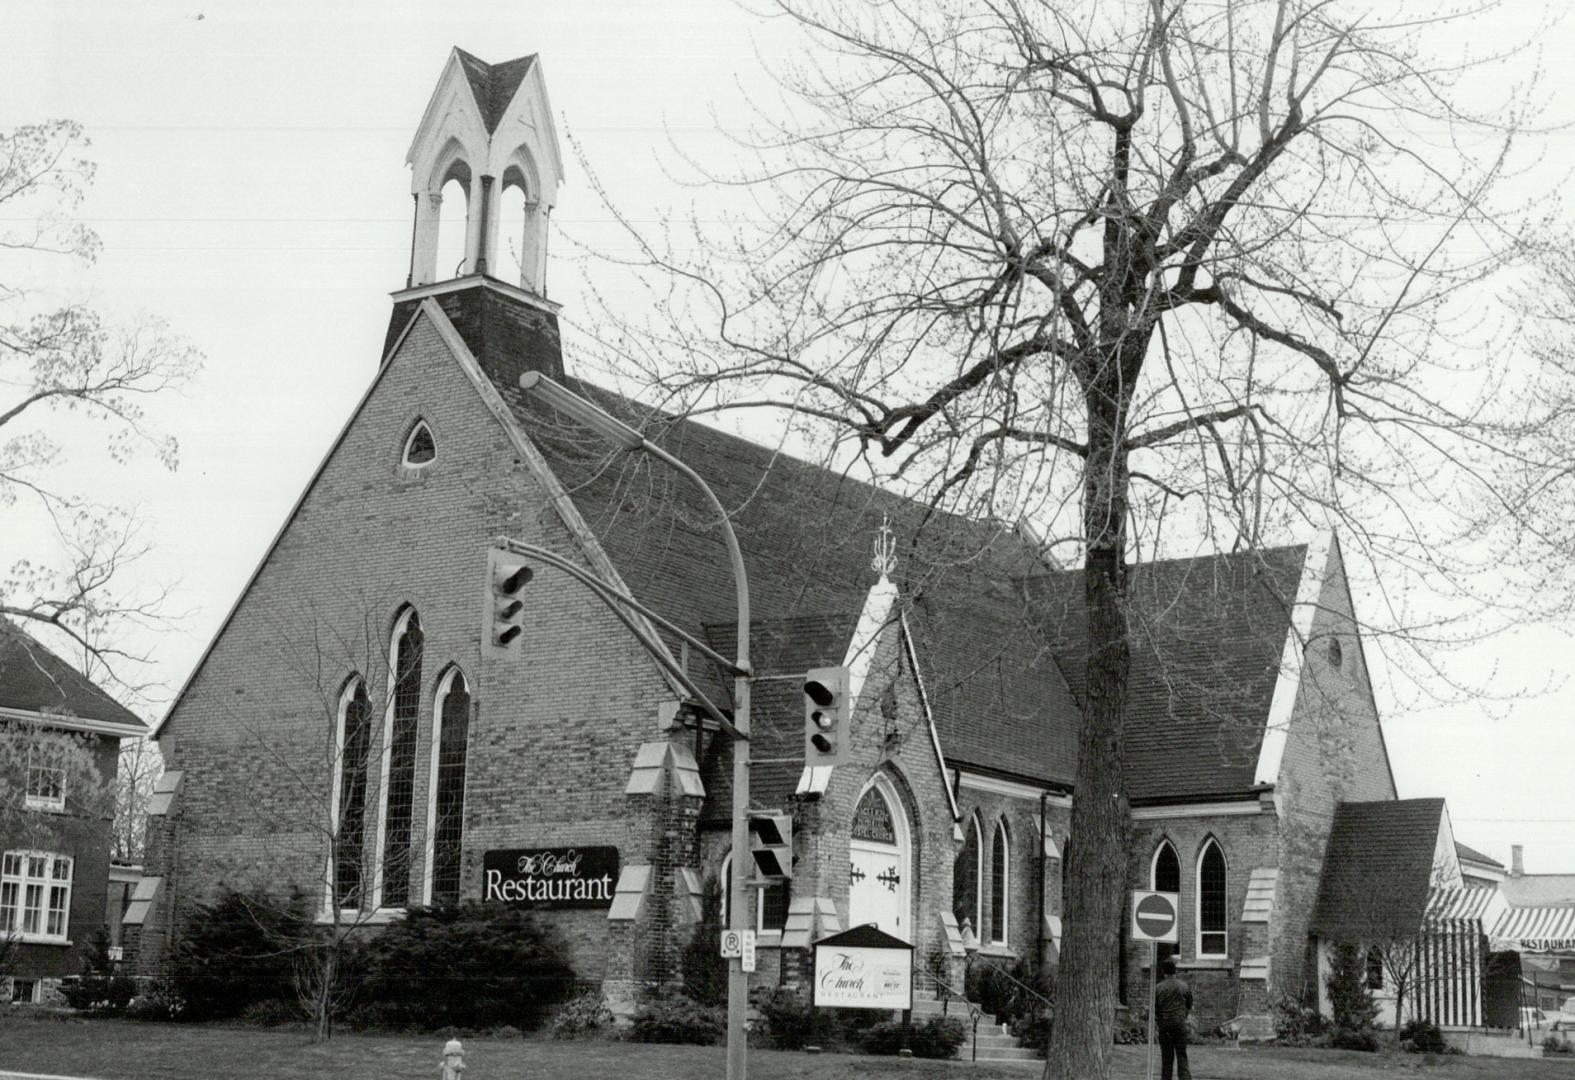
(1039, 956)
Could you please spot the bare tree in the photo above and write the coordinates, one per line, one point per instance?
(139, 769)
(1126, 269)
(64, 361)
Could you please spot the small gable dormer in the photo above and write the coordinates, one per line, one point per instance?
(487, 130)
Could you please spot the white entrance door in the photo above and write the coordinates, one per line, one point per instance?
(879, 866)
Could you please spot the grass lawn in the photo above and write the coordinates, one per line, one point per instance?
(126, 1050)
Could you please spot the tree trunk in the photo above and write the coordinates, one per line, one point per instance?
(1081, 1040)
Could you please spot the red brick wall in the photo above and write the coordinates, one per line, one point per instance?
(555, 727)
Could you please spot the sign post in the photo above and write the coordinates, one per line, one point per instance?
(1154, 921)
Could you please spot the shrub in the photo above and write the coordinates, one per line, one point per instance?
(230, 956)
(584, 1014)
(937, 1037)
(157, 999)
(1295, 1022)
(1351, 1004)
(272, 1013)
(1342, 1038)
(1423, 1037)
(106, 995)
(1034, 1031)
(1557, 1044)
(462, 965)
(1007, 995)
(789, 1020)
(678, 1018)
(704, 969)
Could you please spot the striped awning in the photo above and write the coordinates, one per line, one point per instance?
(1537, 929)
(1464, 903)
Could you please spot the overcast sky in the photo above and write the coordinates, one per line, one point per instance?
(252, 190)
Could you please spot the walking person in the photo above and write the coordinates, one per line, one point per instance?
(1172, 1005)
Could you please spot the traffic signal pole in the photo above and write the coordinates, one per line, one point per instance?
(739, 910)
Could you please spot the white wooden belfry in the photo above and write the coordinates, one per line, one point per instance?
(489, 127)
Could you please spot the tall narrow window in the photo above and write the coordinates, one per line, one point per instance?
(1211, 900)
(400, 757)
(46, 776)
(1165, 876)
(1000, 881)
(965, 879)
(771, 907)
(446, 810)
(355, 735)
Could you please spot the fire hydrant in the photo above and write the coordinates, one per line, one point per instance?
(453, 1060)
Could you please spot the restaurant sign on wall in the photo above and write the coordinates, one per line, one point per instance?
(561, 877)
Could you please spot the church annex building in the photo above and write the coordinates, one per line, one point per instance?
(354, 732)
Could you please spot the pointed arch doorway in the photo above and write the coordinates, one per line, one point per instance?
(880, 861)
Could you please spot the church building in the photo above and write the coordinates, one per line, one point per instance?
(357, 732)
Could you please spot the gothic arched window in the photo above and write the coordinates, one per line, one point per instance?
(1165, 876)
(399, 757)
(1000, 882)
(420, 448)
(1212, 939)
(446, 791)
(349, 797)
(965, 878)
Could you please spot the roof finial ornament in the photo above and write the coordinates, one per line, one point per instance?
(885, 562)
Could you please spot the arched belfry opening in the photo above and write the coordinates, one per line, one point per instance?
(487, 130)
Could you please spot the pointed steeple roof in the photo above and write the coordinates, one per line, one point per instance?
(494, 85)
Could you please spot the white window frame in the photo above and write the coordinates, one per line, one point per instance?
(999, 934)
(50, 804)
(439, 699)
(1197, 906)
(17, 879)
(385, 755)
(760, 901)
(331, 877)
(404, 453)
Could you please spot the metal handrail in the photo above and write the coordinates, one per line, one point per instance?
(974, 1012)
(1013, 978)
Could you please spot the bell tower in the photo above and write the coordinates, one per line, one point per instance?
(489, 127)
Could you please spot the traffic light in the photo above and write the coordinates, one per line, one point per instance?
(771, 844)
(826, 716)
(506, 578)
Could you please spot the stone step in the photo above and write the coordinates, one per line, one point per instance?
(994, 1041)
(1016, 1053)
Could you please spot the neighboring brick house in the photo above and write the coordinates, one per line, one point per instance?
(61, 747)
(353, 733)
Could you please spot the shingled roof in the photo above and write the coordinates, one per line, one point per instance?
(973, 590)
(1377, 870)
(34, 680)
(1207, 635)
(493, 85)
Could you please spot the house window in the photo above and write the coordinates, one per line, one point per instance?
(965, 879)
(1165, 876)
(35, 895)
(1211, 901)
(46, 779)
(1000, 879)
(355, 734)
(419, 446)
(771, 905)
(446, 810)
(399, 757)
(1375, 968)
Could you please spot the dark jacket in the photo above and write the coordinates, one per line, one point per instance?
(1172, 1003)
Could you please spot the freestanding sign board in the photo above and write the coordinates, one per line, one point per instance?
(1155, 919)
(864, 968)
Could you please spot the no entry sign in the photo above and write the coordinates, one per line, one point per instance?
(1154, 916)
